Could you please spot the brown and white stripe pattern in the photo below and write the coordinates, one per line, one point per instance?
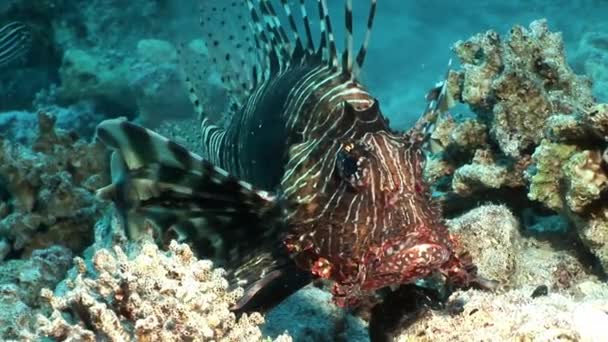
(339, 221)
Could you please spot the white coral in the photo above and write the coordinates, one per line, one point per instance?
(154, 297)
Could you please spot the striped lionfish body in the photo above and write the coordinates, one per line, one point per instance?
(341, 194)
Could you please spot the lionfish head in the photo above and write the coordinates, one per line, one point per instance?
(365, 218)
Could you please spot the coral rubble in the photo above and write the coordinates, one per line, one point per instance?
(154, 296)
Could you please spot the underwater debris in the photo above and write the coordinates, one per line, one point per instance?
(47, 190)
(151, 296)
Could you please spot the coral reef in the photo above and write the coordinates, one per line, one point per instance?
(517, 84)
(20, 283)
(47, 190)
(86, 75)
(85, 51)
(537, 131)
(491, 234)
(22, 127)
(517, 316)
(153, 296)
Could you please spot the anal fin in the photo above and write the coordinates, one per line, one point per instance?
(268, 277)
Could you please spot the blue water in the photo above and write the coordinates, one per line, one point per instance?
(409, 49)
(412, 44)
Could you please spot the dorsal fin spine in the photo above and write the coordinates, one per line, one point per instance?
(323, 44)
(261, 39)
(282, 33)
(310, 41)
(296, 35)
(261, 55)
(363, 49)
(333, 51)
(278, 37)
(348, 18)
(194, 99)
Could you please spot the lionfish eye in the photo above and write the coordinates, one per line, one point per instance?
(352, 165)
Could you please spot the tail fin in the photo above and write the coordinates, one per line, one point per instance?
(15, 42)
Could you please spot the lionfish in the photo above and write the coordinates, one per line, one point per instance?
(306, 180)
(15, 42)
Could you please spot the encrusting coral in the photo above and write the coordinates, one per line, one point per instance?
(47, 190)
(492, 235)
(155, 296)
(514, 86)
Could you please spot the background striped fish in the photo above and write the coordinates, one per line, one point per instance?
(15, 42)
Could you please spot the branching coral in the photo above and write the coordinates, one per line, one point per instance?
(155, 296)
(46, 190)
